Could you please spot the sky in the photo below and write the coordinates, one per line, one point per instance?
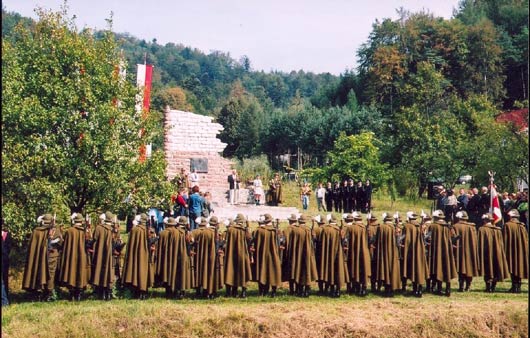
(285, 35)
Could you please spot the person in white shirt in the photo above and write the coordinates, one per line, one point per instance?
(258, 189)
(321, 194)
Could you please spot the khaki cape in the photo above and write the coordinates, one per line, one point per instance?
(492, 258)
(466, 250)
(516, 245)
(102, 272)
(441, 260)
(237, 261)
(332, 264)
(303, 269)
(36, 273)
(358, 260)
(74, 268)
(267, 259)
(386, 256)
(414, 259)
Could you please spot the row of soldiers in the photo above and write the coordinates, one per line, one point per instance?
(335, 253)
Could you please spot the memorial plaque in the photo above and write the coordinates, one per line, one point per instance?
(199, 164)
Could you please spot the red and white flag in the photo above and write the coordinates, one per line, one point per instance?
(144, 78)
(495, 208)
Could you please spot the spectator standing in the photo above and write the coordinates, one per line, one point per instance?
(329, 197)
(321, 194)
(193, 179)
(367, 196)
(233, 185)
(462, 200)
(195, 206)
(258, 189)
(305, 192)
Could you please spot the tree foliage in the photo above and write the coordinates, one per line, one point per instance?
(70, 133)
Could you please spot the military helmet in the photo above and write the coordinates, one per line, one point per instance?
(462, 215)
(514, 213)
(240, 219)
(302, 219)
(143, 219)
(214, 220)
(182, 220)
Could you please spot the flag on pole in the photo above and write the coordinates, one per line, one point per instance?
(495, 208)
(144, 78)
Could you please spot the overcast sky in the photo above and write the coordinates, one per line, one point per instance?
(318, 36)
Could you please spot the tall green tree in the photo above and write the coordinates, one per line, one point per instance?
(70, 132)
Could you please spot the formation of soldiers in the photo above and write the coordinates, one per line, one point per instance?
(346, 254)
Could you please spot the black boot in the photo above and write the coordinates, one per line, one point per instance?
(349, 288)
(320, 288)
(403, 285)
(307, 290)
(291, 288)
(362, 290)
(244, 293)
(419, 292)
(468, 283)
(414, 288)
(493, 285)
(461, 284)
(438, 288)
(447, 289)
(228, 290)
(273, 292)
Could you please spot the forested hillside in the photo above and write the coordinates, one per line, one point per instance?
(427, 88)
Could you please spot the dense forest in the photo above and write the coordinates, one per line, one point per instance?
(427, 88)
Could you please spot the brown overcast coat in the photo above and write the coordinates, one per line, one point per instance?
(358, 260)
(492, 258)
(36, 273)
(332, 264)
(466, 251)
(301, 256)
(237, 261)
(205, 260)
(164, 257)
(267, 260)
(414, 259)
(387, 269)
(441, 260)
(102, 272)
(181, 274)
(73, 270)
(516, 245)
(136, 269)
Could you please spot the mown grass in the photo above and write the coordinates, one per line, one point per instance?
(472, 314)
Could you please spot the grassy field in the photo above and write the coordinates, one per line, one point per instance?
(471, 314)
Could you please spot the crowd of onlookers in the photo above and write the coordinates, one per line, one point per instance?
(476, 204)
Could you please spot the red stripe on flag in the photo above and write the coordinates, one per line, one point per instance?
(495, 206)
(147, 88)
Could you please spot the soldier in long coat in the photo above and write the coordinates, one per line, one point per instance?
(36, 273)
(267, 259)
(117, 252)
(466, 251)
(387, 269)
(492, 257)
(205, 259)
(516, 245)
(73, 270)
(373, 225)
(302, 258)
(165, 257)
(136, 271)
(414, 260)
(286, 263)
(55, 246)
(219, 273)
(332, 265)
(441, 259)
(102, 269)
(237, 257)
(358, 260)
(315, 234)
(181, 272)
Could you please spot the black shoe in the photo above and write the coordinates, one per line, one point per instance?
(419, 292)
(244, 293)
(362, 292)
